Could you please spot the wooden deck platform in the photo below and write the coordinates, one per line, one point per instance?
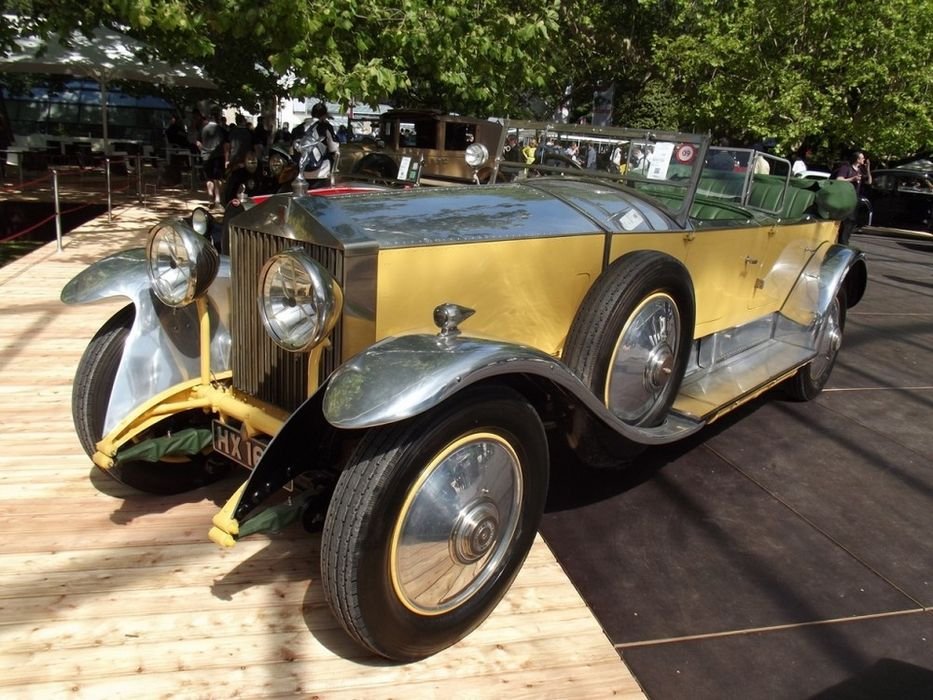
(107, 593)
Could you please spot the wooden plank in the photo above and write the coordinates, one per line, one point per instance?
(106, 593)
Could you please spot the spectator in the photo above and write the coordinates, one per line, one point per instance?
(281, 170)
(761, 166)
(856, 170)
(260, 138)
(511, 151)
(5, 141)
(194, 130)
(214, 149)
(282, 135)
(319, 129)
(529, 151)
(800, 162)
(246, 181)
(175, 133)
(241, 143)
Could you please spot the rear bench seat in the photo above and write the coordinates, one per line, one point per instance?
(766, 195)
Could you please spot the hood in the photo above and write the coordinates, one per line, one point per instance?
(417, 217)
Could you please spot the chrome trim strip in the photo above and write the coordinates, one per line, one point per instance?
(401, 377)
(161, 350)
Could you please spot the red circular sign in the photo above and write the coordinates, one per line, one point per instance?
(685, 153)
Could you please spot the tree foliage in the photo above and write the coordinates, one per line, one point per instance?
(831, 70)
(837, 70)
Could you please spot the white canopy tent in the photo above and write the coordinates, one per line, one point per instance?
(105, 56)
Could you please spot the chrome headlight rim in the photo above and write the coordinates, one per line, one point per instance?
(180, 263)
(298, 309)
(200, 220)
(476, 155)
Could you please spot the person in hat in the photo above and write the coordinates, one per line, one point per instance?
(282, 170)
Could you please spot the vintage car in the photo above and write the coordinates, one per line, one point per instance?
(394, 367)
(900, 200)
(434, 141)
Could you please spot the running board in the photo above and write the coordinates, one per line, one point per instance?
(704, 395)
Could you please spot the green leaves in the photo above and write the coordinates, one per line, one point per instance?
(832, 69)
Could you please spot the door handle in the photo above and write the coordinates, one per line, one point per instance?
(749, 260)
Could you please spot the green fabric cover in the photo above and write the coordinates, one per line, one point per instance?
(275, 518)
(836, 199)
(189, 441)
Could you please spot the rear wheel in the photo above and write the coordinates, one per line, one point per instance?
(810, 379)
(431, 520)
(93, 383)
(629, 344)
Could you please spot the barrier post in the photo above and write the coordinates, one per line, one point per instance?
(109, 199)
(58, 211)
(139, 178)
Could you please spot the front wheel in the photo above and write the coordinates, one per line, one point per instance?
(90, 396)
(431, 521)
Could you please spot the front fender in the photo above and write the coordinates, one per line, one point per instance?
(401, 377)
(162, 349)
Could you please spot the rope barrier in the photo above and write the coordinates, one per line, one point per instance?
(44, 221)
(30, 182)
(47, 176)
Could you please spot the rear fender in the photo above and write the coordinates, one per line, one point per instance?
(817, 287)
(162, 349)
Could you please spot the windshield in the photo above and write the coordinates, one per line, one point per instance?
(662, 165)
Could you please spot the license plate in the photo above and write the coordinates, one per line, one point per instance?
(232, 444)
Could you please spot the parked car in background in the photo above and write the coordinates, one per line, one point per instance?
(813, 174)
(423, 146)
(901, 201)
(392, 367)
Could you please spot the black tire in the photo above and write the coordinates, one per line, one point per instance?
(401, 477)
(93, 383)
(809, 380)
(647, 299)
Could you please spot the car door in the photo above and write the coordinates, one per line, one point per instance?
(725, 266)
(915, 200)
(883, 198)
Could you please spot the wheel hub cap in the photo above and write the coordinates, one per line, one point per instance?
(456, 524)
(475, 532)
(643, 361)
(659, 367)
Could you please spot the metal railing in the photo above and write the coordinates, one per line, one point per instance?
(53, 175)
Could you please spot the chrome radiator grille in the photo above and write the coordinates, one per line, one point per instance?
(260, 367)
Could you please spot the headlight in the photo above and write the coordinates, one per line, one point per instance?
(299, 300)
(181, 263)
(200, 219)
(476, 155)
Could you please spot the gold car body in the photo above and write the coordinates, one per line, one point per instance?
(523, 255)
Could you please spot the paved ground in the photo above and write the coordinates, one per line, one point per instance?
(785, 552)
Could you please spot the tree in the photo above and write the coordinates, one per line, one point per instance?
(468, 55)
(825, 68)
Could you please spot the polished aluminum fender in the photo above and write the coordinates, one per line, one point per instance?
(401, 377)
(162, 349)
(818, 284)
